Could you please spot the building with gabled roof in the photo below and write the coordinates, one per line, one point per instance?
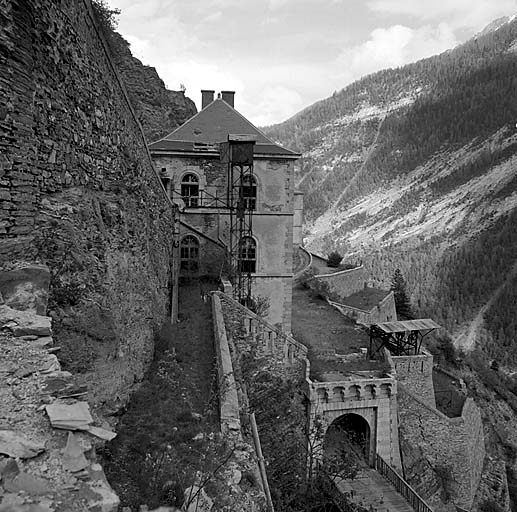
(189, 162)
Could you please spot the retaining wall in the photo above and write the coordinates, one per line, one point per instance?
(252, 335)
(452, 447)
(340, 284)
(78, 190)
(416, 373)
(383, 312)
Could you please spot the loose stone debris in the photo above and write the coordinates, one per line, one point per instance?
(44, 468)
(73, 416)
(14, 444)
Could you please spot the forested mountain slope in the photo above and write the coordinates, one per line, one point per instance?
(416, 168)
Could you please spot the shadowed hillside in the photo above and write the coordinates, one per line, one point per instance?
(415, 168)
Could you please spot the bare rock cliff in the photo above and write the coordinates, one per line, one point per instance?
(159, 110)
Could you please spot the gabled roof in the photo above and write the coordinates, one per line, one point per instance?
(211, 126)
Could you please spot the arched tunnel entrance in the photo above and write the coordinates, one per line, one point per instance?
(347, 442)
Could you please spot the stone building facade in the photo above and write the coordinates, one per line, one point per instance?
(189, 162)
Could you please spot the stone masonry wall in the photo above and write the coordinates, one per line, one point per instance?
(78, 190)
(416, 373)
(383, 312)
(341, 284)
(475, 442)
(452, 448)
(251, 335)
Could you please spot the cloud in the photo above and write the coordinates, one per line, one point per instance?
(473, 14)
(281, 55)
(272, 104)
(392, 47)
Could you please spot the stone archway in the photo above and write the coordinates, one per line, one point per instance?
(350, 436)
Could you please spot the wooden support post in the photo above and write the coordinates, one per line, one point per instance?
(262, 466)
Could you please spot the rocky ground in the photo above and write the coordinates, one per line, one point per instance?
(42, 467)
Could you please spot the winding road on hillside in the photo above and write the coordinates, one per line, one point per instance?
(466, 340)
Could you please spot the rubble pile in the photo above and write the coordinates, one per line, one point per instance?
(48, 433)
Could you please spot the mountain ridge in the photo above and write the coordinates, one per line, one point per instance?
(418, 162)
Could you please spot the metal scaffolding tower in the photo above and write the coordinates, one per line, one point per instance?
(237, 154)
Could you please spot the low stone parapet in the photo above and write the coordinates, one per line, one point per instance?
(228, 397)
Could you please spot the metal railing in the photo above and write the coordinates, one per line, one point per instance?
(402, 487)
(204, 199)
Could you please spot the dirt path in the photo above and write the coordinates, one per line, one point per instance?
(466, 340)
(155, 454)
(193, 340)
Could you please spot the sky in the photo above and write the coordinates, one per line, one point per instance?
(280, 56)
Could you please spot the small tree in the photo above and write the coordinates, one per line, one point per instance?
(259, 305)
(334, 259)
(402, 303)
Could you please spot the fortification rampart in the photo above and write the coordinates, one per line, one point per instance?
(252, 335)
(416, 373)
(442, 457)
(372, 398)
(78, 190)
(240, 334)
(453, 449)
(384, 311)
(340, 284)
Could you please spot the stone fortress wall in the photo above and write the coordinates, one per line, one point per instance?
(416, 373)
(384, 311)
(453, 448)
(343, 283)
(337, 286)
(78, 190)
(436, 452)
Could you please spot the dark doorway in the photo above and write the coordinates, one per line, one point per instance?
(347, 441)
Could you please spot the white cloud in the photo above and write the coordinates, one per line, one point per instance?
(272, 104)
(282, 55)
(393, 47)
(473, 14)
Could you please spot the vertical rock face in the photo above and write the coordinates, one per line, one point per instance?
(159, 110)
(78, 191)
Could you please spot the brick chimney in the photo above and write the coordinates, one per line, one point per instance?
(228, 96)
(206, 98)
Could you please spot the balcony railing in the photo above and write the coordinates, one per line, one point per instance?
(402, 487)
(204, 199)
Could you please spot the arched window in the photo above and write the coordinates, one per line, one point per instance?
(189, 253)
(249, 192)
(248, 255)
(190, 190)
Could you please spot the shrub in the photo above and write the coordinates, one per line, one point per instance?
(259, 305)
(105, 15)
(334, 259)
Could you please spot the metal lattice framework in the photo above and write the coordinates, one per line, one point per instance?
(237, 154)
(403, 338)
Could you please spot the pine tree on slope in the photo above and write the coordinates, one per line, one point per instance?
(402, 303)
